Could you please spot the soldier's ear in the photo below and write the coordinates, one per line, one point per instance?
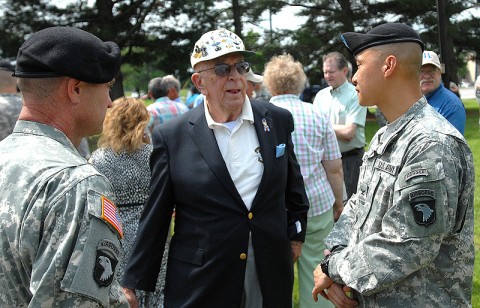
(389, 65)
(73, 89)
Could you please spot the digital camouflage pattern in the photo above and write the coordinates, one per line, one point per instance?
(407, 235)
(10, 106)
(51, 231)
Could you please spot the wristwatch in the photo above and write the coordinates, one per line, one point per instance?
(324, 264)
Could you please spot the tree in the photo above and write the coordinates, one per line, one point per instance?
(119, 21)
(463, 32)
(327, 19)
(320, 34)
(157, 36)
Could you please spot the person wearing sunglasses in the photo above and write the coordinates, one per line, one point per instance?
(229, 170)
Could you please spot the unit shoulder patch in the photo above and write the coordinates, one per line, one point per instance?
(106, 261)
(422, 202)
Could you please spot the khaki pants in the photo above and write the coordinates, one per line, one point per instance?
(318, 227)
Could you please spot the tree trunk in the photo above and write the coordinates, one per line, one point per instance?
(117, 89)
(237, 17)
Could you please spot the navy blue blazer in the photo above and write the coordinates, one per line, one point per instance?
(206, 261)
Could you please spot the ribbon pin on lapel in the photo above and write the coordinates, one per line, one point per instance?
(265, 125)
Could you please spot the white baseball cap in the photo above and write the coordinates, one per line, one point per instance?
(430, 57)
(251, 76)
(215, 44)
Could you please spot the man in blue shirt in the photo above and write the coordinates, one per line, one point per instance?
(440, 98)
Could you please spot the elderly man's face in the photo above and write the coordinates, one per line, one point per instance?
(225, 95)
(430, 78)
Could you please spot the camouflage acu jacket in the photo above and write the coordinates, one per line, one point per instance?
(59, 233)
(406, 238)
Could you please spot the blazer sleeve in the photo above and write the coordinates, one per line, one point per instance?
(143, 266)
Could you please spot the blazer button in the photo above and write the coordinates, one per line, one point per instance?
(243, 256)
(250, 215)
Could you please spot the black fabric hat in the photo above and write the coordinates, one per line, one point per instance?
(6, 66)
(380, 35)
(66, 51)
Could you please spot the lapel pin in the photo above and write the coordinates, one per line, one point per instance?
(265, 125)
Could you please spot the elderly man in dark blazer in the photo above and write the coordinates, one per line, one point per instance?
(228, 168)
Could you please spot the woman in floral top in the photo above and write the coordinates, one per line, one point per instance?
(123, 156)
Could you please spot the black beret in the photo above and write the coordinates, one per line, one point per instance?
(380, 35)
(6, 66)
(66, 51)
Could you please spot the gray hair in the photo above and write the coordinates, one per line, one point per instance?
(40, 88)
(157, 87)
(171, 82)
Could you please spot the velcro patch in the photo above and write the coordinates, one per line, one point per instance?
(110, 215)
(105, 263)
(386, 167)
(421, 193)
(415, 173)
(424, 212)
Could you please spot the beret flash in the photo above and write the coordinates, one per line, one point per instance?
(66, 51)
(388, 33)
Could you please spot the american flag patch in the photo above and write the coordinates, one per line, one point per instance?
(110, 215)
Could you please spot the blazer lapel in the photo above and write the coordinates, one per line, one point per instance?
(206, 142)
(264, 127)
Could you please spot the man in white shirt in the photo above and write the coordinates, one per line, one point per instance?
(339, 102)
(229, 169)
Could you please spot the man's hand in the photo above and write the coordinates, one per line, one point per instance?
(322, 282)
(337, 295)
(296, 250)
(331, 290)
(131, 297)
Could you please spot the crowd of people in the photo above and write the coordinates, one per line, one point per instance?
(210, 202)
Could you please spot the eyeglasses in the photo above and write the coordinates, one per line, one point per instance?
(428, 71)
(223, 69)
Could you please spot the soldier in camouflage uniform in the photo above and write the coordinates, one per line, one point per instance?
(406, 237)
(59, 229)
(10, 99)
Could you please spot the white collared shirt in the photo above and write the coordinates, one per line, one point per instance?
(241, 151)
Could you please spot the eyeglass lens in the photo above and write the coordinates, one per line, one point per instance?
(225, 69)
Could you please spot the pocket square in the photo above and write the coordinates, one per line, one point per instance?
(280, 150)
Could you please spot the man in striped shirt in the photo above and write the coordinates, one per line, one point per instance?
(318, 154)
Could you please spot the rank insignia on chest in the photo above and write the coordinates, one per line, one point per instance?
(105, 263)
(422, 202)
(110, 215)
